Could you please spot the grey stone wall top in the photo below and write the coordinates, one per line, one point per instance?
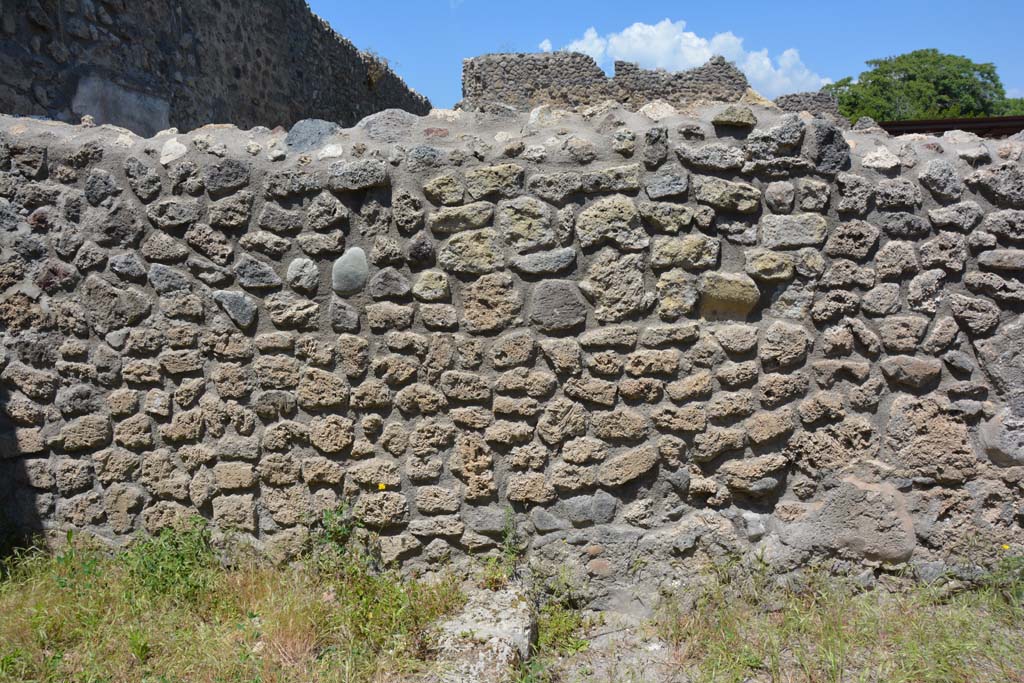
(523, 81)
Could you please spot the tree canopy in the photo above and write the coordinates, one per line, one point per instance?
(924, 84)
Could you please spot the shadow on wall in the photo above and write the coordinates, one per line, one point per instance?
(108, 102)
(20, 519)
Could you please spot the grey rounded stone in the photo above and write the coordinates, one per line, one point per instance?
(238, 306)
(309, 134)
(303, 276)
(350, 271)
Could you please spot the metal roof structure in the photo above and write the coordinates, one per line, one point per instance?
(986, 127)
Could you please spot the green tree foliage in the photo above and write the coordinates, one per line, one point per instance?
(1012, 107)
(924, 84)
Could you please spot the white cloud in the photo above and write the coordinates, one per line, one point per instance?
(668, 45)
(590, 44)
(1015, 92)
(545, 45)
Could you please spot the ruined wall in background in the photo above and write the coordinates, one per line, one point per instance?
(150, 64)
(527, 80)
(642, 343)
(818, 103)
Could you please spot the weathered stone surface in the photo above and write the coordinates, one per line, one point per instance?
(475, 252)
(913, 373)
(612, 220)
(526, 224)
(793, 231)
(490, 304)
(111, 308)
(453, 219)
(852, 240)
(769, 266)
(923, 440)
(357, 175)
(90, 432)
(712, 157)
(691, 252)
(289, 312)
(615, 283)
(626, 467)
(940, 177)
(382, 509)
(556, 306)
(726, 195)
(860, 520)
(562, 419)
(504, 180)
(530, 487)
(727, 295)
(978, 316)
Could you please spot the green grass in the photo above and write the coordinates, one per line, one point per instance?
(561, 625)
(828, 631)
(166, 610)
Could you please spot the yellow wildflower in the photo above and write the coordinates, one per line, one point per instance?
(381, 486)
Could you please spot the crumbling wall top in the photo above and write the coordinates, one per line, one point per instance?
(572, 79)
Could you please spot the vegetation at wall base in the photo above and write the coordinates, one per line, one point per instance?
(744, 626)
(166, 610)
(924, 84)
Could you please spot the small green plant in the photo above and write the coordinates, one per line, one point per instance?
(535, 670)
(337, 527)
(376, 67)
(1007, 579)
(559, 628)
(139, 645)
(176, 563)
(560, 624)
(501, 568)
(78, 569)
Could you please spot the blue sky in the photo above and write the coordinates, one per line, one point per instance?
(783, 47)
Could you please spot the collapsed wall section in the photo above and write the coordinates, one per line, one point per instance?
(148, 64)
(641, 346)
(571, 79)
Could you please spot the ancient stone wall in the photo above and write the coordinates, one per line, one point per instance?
(641, 344)
(572, 79)
(150, 64)
(818, 103)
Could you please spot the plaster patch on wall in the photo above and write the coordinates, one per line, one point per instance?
(109, 102)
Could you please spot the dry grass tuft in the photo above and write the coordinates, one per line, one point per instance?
(831, 631)
(166, 611)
